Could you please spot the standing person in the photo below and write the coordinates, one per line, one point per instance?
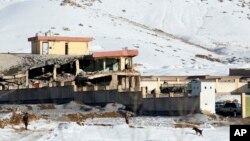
(127, 117)
(26, 120)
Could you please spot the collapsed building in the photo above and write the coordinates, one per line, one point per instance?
(85, 70)
(98, 71)
(92, 78)
(111, 70)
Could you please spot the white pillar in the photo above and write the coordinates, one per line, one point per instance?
(104, 64)
(54, 72)
(132, 82)
(77, 67)
(243, 105)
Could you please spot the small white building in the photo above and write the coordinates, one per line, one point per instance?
(206, 91)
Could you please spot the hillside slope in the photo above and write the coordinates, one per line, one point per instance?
(168, 34)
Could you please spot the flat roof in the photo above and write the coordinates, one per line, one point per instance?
(60, 38)
(239, 68)
(185, 78)
(117, 53)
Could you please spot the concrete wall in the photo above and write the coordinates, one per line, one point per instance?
(131, 99)
(232, 87)
(207, 97)
(206, 92)
(66, 94)
(225, 87)
(239, 72)
(58, 47)
(37, 95)
(78, 48)
(35, 47)
(245, 105)
(171, 105)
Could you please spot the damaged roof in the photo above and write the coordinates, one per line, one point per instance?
(114, 54)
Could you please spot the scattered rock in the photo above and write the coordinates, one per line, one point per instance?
(78, 117)
(209, 57)
(66, 29)
(46, 106)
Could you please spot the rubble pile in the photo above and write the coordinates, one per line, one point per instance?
(29, 61)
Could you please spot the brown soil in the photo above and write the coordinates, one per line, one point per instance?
(184, 125)
(219, 124)
(46, 106)
(16, 119)
(80, 117)
(29, 107)
(239, 121)
(3, 123)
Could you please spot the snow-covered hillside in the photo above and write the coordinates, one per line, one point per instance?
(169, 34)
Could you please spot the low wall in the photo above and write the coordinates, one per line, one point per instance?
(37, 95)
(171, 105)
(132, 100)
(66, 94)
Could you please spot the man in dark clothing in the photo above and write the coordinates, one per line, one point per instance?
(26, 120)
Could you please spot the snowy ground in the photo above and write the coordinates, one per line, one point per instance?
(53, 127)
(54, 131)
(169, 31)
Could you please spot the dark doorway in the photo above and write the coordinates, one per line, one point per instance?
(66, 49)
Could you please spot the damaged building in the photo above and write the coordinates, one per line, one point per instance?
(109, 70)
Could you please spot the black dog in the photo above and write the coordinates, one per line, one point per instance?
(197, 131)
